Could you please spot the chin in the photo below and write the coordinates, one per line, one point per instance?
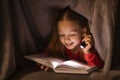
(70, 48)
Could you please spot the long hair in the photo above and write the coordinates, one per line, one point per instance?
(55, 47)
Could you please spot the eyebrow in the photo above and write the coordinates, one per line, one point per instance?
(70, 31)
(74, 30)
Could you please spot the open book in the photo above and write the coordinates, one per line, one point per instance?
(62, 66)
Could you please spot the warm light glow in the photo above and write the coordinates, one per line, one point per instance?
(72, 63)
(55, 63)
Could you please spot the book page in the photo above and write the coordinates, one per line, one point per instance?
(72, 66)
(44, 59)
(60, 65)
(55, 62)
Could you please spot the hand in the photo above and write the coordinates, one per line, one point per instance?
(88, 39)
(43, 67)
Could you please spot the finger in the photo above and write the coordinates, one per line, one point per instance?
(89, 42)
(42, 66)
(87, 37)
(46, 68)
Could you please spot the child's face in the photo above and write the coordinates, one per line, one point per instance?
(69, 34)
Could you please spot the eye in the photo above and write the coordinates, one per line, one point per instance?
(61, 35)
(72, 34)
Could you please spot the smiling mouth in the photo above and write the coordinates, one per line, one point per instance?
(69, 44)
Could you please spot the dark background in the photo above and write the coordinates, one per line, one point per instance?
(25, 28)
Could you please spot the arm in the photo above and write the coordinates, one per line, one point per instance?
(91, 56)
(93, 59)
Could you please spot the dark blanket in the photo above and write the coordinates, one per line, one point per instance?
(25, 28)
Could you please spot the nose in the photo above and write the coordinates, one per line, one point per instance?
(67, 39)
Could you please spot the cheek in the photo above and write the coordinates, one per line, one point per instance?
(77, 39)
(61, 40)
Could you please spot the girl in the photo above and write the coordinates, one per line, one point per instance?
(70, 31)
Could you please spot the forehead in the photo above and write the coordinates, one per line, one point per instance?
(68, 25)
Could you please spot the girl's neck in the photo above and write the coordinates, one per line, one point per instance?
(75, 50)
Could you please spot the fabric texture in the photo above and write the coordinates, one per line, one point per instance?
(25, 28)
(89, 58)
